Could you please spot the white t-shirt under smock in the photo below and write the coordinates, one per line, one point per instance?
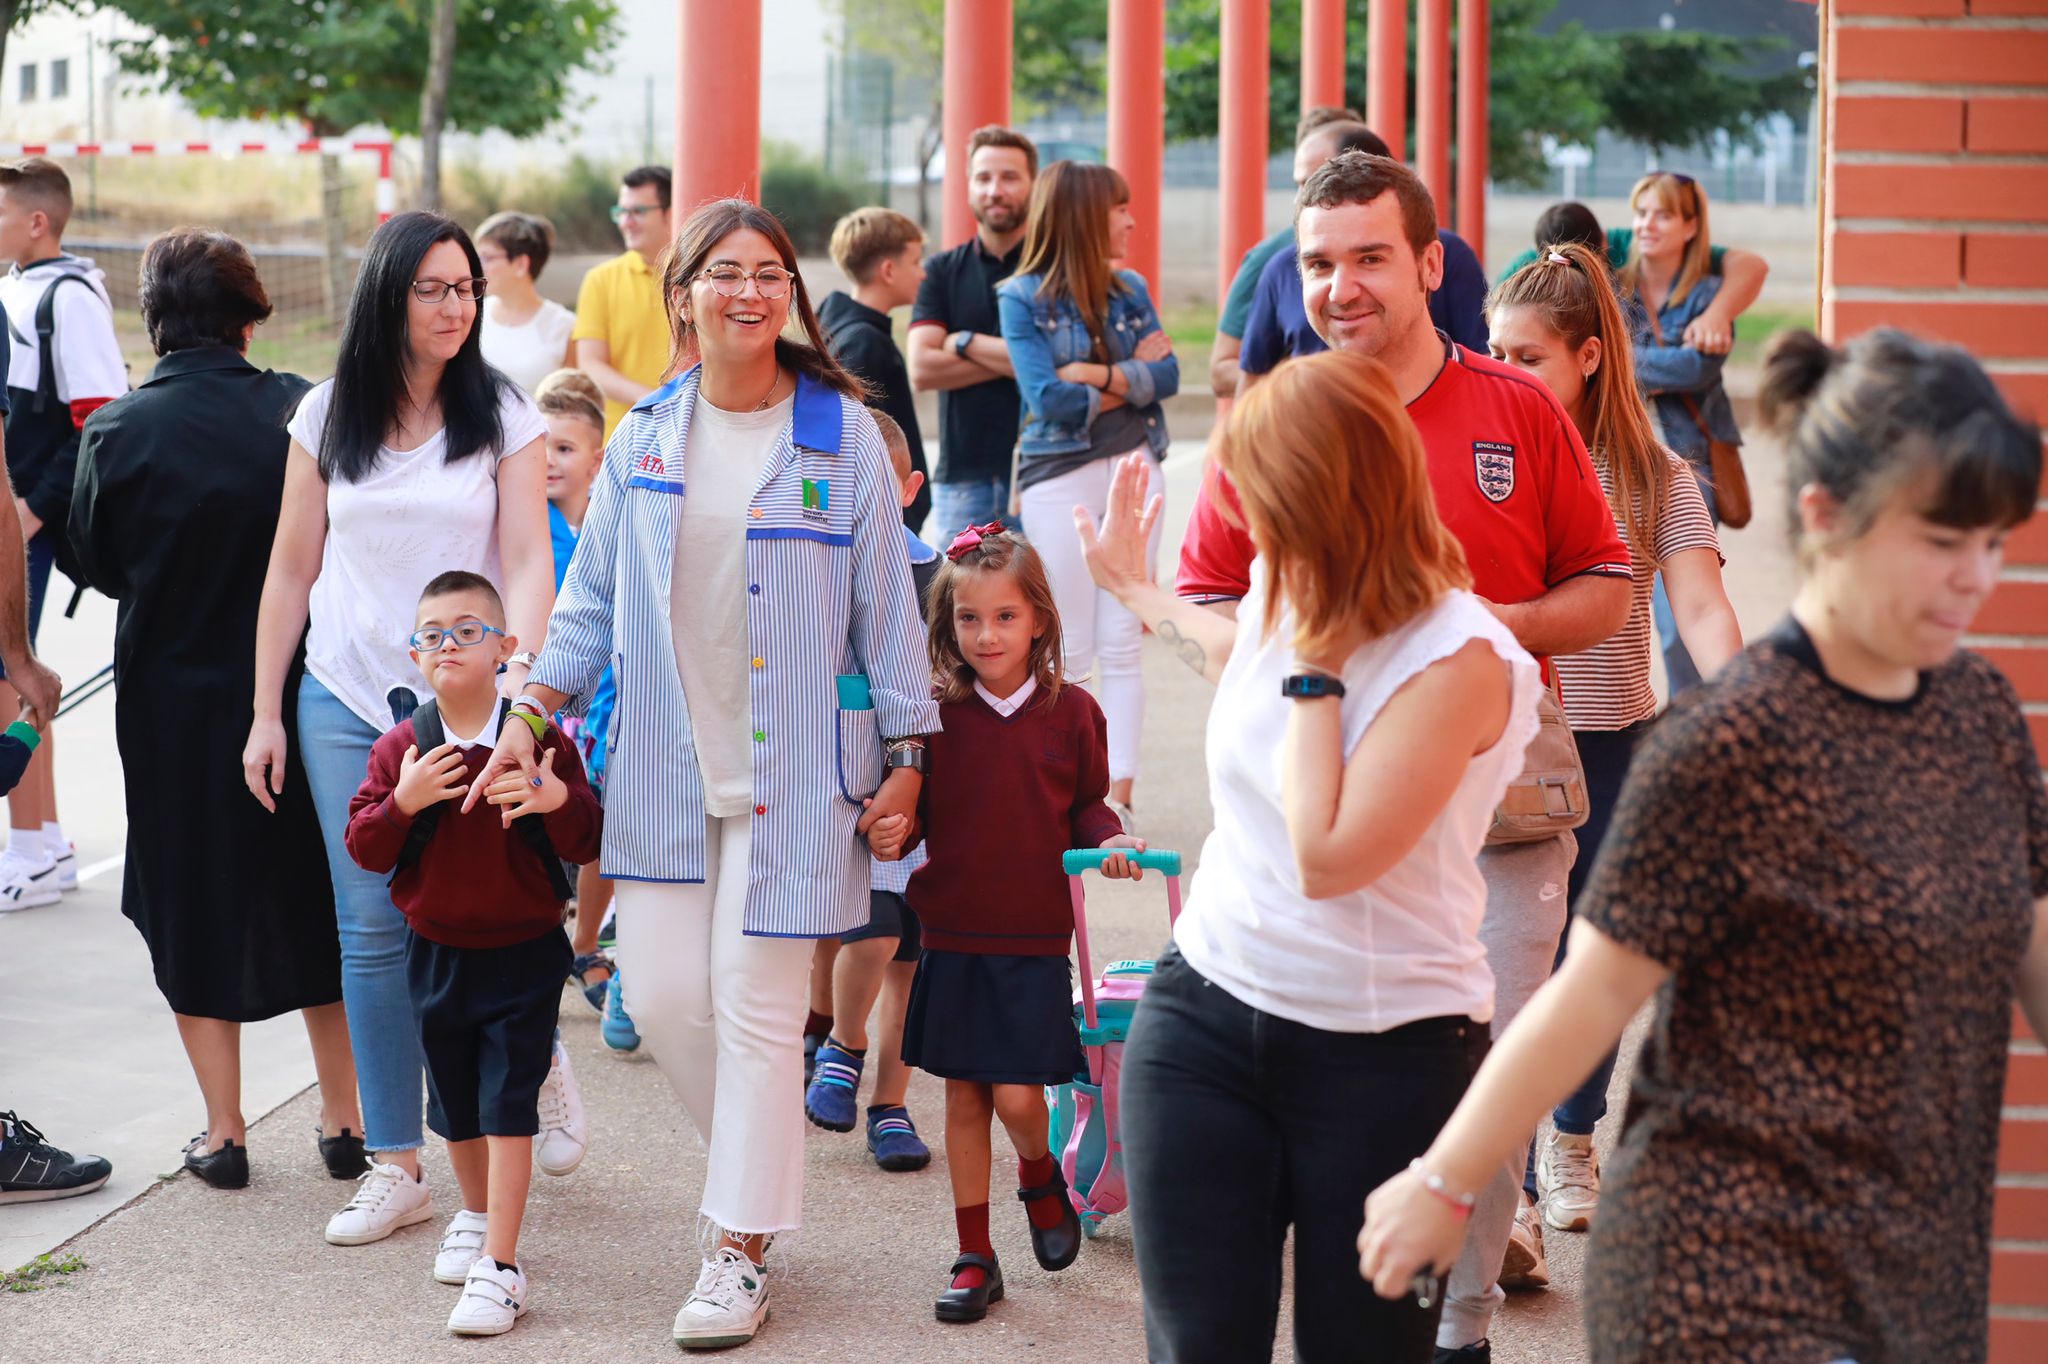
(1403, 948)
(531, 351)
(723, 462)
(412, 517)
(1608, 686)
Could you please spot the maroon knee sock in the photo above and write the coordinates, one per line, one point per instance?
(973, 1227)
(1047, 1212)
(818, 1025)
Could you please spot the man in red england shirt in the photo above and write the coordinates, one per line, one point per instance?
(1513, 483)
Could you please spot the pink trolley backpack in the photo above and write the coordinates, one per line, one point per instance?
(1086, 1131)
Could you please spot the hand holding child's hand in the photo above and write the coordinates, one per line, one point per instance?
(517, 794)
(28, 716)
(428, 780)
(887, 835)
(1120, 867)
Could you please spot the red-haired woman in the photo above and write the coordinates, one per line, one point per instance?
(1326, 999)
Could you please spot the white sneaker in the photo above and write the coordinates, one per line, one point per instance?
(1524, 1265)
(1568, 1181)
(387, 1198)
(564, 1130)
(67, 867)
(460, 1245)
(492, 1299)
(727, 1306)
(26, 883)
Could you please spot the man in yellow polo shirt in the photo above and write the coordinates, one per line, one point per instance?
(621, 331)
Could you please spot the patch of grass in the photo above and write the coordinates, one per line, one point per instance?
(1755, 328)
(39, 1273)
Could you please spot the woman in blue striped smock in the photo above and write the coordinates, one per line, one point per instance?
(741, 570)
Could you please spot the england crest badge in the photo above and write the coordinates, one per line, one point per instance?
(1493, 465)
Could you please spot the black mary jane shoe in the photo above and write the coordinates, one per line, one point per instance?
(345, 1155)
(227, 1168)
(971, 1304)
(1057, 1246)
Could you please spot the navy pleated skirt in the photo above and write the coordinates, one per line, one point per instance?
(993, 1019)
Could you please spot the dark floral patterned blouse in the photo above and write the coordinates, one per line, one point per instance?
(1843, 889)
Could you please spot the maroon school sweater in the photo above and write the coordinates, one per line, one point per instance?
(477, 883)
(1005, 796)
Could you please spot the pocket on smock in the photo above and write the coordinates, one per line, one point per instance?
(860, 754)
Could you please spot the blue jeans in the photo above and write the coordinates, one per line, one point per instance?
(335, 744)
(976, 502)
(1678, 664)
(1606, 754)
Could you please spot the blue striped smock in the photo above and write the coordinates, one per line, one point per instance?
(829, 593)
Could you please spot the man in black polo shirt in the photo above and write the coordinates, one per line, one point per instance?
(956, 343)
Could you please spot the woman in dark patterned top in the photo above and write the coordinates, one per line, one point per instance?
(1830, 864)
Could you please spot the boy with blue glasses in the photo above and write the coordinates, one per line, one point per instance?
(483, 894)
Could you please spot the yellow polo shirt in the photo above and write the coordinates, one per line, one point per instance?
(619, 304)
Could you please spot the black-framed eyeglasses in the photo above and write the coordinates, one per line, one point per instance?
(621, 212)
(729, 280)
(467, 633)
(434, 290)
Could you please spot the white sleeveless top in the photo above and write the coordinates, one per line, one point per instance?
(1405, 947)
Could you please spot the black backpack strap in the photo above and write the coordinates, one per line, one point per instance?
(46, 331)
(428, 735)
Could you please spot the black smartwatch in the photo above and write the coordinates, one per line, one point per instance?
(1310, 686)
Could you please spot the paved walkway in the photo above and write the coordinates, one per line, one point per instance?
(178, 1271)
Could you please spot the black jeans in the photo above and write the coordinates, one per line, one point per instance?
(1238, 1124)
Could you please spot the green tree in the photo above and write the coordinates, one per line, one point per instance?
(339, 64)
(1675, 90)
(1058, 52)
(1542, 84)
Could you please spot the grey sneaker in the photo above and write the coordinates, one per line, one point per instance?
(727, 1306)
(1568, 1181)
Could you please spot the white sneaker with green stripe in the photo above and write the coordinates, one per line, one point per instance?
(727, 1306)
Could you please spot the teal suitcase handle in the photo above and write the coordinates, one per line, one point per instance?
(1078, 860)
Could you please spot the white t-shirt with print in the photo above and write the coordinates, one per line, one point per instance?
(412, 517)
(531, 351)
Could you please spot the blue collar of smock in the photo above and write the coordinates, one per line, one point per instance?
(817, 424)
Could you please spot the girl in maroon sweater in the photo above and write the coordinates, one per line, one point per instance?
(1017, 777)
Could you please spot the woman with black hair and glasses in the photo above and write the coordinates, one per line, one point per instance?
(415, 458)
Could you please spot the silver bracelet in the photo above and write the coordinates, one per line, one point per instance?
(1435, 1183)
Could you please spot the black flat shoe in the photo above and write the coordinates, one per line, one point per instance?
(227, 1168)
(971, 1304)
(344, 1155)
(1057, 1246)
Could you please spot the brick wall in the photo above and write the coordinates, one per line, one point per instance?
(1936, 220)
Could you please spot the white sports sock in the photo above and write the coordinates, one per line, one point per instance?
(53, 838)
(27, 843)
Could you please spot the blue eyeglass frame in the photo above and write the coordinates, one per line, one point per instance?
(488, 630)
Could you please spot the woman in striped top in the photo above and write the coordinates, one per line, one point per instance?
(741, 571)
(1560, 319)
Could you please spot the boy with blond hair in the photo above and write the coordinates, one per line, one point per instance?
(882, 253)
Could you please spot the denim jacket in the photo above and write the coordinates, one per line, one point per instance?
(1044, 333)
(1669, 373)
(829, 595)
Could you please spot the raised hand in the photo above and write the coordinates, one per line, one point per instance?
(1115, 552)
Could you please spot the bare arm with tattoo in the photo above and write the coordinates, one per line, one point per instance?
(1197, 636)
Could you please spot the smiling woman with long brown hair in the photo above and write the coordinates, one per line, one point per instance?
(741, 570)
(1093, 364)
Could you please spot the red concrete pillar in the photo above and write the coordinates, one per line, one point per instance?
(1137, 120)
(1322, 53)
(1247, 47)
(1472, 123)
(1433, 100)
(977, 93)
(1386, 83)
(718, 102)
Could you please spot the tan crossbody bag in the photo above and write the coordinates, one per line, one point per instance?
(1548, 796)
